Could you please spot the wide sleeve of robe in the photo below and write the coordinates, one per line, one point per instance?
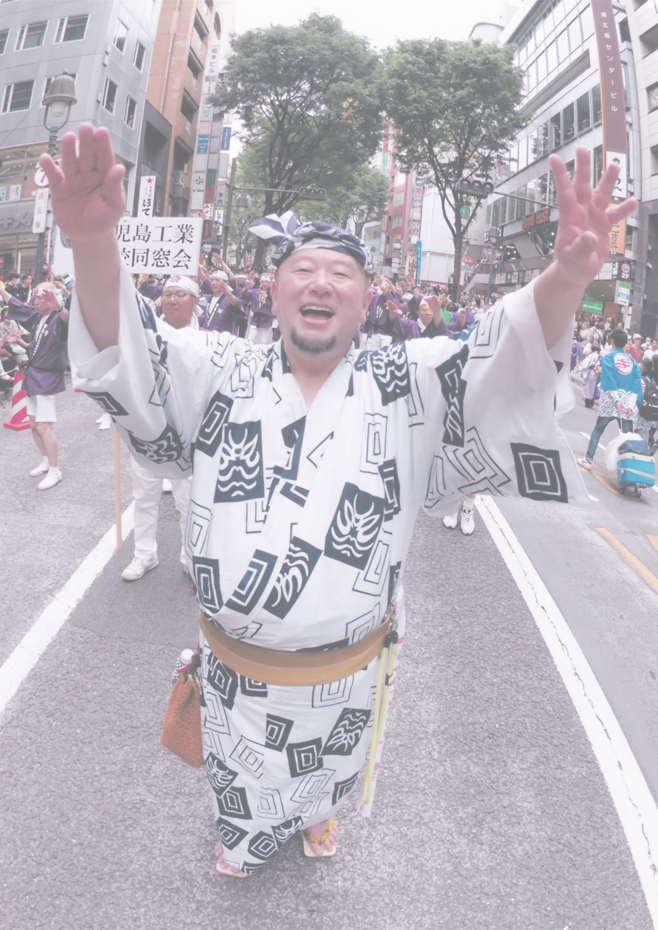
(491, 401)
(156, 383)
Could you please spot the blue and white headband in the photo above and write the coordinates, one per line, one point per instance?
(287, 238)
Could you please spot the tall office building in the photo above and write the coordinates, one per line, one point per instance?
(107, 46)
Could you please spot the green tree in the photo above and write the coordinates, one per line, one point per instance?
(455, 107)
(357, 196)
(309, 99)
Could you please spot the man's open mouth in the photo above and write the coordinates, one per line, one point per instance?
(311, 312)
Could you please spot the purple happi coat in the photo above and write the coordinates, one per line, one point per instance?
(48, 356)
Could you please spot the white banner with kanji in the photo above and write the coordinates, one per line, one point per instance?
(154, 245)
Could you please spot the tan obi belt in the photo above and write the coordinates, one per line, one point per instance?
(278, 667)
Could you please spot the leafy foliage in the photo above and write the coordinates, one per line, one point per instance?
(455, 106)
(309, 98)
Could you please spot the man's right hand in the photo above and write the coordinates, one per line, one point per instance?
(87, 192)
(88, 201)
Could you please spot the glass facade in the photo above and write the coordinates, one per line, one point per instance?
(552, 42)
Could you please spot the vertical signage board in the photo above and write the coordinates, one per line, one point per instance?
(613, 109)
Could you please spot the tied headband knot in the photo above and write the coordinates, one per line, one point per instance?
(286, 237)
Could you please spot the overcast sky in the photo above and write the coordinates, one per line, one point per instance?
(382, 22)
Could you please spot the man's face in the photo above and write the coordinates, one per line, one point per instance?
(265, 284)
(218, 285)
(637, 341)
(654, 344)
(320, 298)
(28, 281)
(178, 306)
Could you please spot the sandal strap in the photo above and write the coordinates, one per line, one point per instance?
(325, 836)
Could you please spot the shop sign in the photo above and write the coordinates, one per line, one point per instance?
(146, 195)
(536, 219)
(622, 271)
(40, 210)
(592, 306)
(16, 218)
(622, 293)
(202, 145)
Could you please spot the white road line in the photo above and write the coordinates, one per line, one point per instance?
(25, 656)
(635, 805)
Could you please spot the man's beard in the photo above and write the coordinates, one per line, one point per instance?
(312, 348)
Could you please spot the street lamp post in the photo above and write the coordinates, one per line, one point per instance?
(58, 101)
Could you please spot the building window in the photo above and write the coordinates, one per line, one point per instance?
(624, 31)
(584, 116)
(521, 193)
(120, 34)
(596, 104)
(597, 165)
(556, 131)
(3, 39)
(571, 167)
(523, 153)
(396, 221)
(188, 107)
(138, 60)
(71, 28)
(109, 95)
(397, 199)
(17, 96)
(568, 123)
(200, 29)
(649, 41)
(652, 96)
(31, 36)
(218, 26)
(654, 159)
(195, 67)
(129, 114)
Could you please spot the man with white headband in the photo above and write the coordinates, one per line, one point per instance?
(310, 464)
(47, 322)
(179, 300)
(221, 311)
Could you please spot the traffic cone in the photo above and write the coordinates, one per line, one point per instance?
(19, 419)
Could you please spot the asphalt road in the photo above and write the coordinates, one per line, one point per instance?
(491, 811)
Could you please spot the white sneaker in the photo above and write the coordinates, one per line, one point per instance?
(138, 568)
(586, 463)
(53, 477)
(166, 486)
(451, 520)
(40, 469)
(467, 522)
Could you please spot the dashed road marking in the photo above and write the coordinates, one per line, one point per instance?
(25, 656)
(633, 801)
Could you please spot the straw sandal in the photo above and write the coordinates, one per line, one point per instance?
(310, 841)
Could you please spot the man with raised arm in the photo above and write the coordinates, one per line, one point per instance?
(310, 462)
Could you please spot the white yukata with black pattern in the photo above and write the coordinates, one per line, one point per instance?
(299, 523)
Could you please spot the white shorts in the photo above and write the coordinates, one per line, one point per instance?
(42, 408)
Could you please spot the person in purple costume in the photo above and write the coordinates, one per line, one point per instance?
(462, 318)
(152, 287)
(258, 304)
(382, 315)
(46, 320)
(221, 311)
